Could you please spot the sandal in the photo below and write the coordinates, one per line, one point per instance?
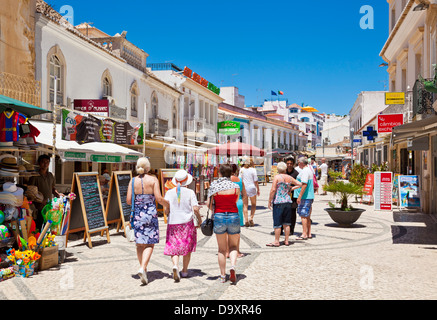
(251, 223)
(233, 276)
(222, 279)
(273, 245)
(301, 238)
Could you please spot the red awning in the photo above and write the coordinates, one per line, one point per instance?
(236, 149)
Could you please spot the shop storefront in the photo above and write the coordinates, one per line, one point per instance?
(414, 152)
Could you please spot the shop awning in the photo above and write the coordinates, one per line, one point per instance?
(88, 152)
(414, 129)
(21, 107)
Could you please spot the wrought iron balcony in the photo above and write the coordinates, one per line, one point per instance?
(158, 126)
(423, 100)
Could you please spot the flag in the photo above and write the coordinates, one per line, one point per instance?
(281, 93)
(274, 93)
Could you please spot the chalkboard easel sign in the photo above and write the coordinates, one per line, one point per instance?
(87, 209)
(261, 173)
(117, 210)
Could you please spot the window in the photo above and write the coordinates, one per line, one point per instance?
(175, 116)
(56, 79)
(154, 106)
(134, 100)
(106, 84)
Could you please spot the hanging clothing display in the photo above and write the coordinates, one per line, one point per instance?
(9, 124)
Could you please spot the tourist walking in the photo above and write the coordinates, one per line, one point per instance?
(224, 194)
(281, 200)
(323, 175)
(239, 182)
(144, 221)
(305, 197)
(181, 236)
(250, 180)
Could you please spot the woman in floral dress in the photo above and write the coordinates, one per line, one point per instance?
(145, 219)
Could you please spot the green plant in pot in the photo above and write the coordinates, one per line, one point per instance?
(346, 215)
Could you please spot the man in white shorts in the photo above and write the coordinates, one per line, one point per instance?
(324, 175)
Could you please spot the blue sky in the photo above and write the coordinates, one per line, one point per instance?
(313, 51)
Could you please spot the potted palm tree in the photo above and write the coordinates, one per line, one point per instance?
(345, 215)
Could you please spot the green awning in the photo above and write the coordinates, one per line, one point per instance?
(21, 107)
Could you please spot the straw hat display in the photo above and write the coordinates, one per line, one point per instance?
(32, 194)
(8, 166)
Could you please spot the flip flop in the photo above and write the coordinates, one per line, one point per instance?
(272, 245)
(301, 238)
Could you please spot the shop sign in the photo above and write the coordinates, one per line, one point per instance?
(131, 158)
(383, 190)
(395, 98)
(409, 195)
(203, 82)
(74, 156)
(228, 127)
(94, 107)
(105, 158)
(386, 122)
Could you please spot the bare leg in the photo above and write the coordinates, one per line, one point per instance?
(144, 252)
(185, 262)
(222, 247)
(252, 208)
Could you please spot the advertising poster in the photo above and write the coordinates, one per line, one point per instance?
(395, 194)
(409, 194)
(368, 188)
(383, 190)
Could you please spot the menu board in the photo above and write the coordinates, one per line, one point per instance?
(261, 173)
(87, 209)
(383, 190)
(117, 209)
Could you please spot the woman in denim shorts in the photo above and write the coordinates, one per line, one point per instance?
(224, 194)
(280, 198)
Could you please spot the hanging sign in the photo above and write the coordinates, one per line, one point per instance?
(395, 98)
(383, 190)
(84, 128)
(228, 127)
(386, 122)
(409, 195)
(95, 107)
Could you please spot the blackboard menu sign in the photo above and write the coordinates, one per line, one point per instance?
(87, 209)
(261, 173)
(117, 210)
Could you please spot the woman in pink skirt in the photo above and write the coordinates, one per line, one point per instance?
(181, 230)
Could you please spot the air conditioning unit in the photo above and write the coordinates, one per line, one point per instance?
(110, 99)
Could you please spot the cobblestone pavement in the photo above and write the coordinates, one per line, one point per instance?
(383, 256)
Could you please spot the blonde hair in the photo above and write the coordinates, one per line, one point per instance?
(143, 166)
(282, 167)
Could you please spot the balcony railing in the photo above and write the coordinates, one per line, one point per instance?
(158, 126)
(423, 100)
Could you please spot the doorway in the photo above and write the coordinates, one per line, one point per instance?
(434, 175)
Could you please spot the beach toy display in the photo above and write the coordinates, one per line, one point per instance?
(4, 232)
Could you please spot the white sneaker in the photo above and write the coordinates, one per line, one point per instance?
(143, 276)
(184, 274)
(176, 274)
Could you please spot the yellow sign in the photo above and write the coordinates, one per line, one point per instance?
(395, 98)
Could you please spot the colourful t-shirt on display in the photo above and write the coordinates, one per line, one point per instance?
(9, 124)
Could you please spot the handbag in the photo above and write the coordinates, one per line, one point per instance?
(130, 233)
(207, 226)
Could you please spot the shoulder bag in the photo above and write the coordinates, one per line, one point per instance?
(207, 226)
(130, 233)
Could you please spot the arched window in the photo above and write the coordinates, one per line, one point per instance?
(56, 77)
(106, 84)
(154, 106)
(56, 80)
(134, 100)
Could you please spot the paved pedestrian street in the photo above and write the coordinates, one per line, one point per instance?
(383, 256)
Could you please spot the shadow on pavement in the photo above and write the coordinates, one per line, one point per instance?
(423, 229)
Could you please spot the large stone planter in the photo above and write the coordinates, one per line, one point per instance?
(344, 218)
